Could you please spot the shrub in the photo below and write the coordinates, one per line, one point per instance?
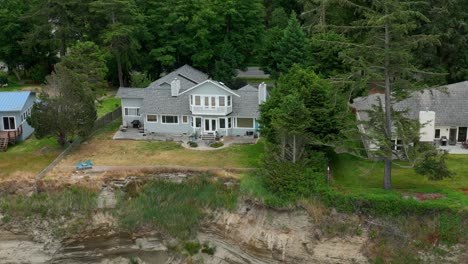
(192, 247)
(291, 180)
(207, 249)
(217, 144)
(193, 144)
(3, 78)
(433, 166)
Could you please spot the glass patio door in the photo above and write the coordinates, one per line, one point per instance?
(210, 125)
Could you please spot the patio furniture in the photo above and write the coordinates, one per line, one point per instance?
(84, 165)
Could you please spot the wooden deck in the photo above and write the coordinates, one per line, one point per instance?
(9, 137)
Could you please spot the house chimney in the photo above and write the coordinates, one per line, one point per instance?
(175, 87)
(262, 93)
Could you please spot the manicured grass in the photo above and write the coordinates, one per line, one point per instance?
(107, 105)
(360, 176)
(26, 159)
(104, 151)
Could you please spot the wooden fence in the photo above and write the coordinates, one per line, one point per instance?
(107, 118)
(100, 123)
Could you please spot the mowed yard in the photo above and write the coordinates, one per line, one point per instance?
(103, 151)
(26, 159)
(359, 176)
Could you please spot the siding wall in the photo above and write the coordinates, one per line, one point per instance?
(27, 129)
(131, 103)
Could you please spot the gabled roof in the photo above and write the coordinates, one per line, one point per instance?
(187, 75)
(130, 93)
(449, 102)
(13, 101)
(218, 84)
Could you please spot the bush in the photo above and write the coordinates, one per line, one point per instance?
(217, 144)
(193, 144)
(433, 166)
(3, 78)
(192, 247)
(39, 72)
(291, 181)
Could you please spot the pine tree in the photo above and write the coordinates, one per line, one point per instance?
(290, 49)
(384, 58)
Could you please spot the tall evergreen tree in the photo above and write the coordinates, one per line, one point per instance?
(122, 31)
(384, 57)
(289, 50)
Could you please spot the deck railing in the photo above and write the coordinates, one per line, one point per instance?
(12, 135)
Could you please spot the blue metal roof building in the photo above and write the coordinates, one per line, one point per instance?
(15, 107)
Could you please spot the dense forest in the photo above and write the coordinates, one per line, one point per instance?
(219, 36)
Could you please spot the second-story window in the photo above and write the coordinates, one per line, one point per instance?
(222, 101)
(197, 100)
(229, 100)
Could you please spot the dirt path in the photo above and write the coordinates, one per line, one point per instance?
(158, 167)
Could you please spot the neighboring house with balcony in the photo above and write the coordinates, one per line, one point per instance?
(442, 113)
(187, 101)
(15, 107)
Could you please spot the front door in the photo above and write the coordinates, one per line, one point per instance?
(453, 136)
(462, 134)
(210, 125)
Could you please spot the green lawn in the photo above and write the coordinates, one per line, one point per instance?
(360, 176)
(19, 87)
(107, 105)
(26, 159)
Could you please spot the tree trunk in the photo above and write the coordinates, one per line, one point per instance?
(119, 70)
(62, 140)
(294, 149)
(388, 114)
(63, 48)
(17, 74)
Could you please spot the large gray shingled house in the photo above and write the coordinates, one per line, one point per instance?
(442, 112)
(187, 101)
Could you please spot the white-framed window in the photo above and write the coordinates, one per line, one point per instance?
(229, 122)
(196, 122)
(166, 119)
(185, 119)
(222, 123)
(197, 100)
(132, 111)
(151, 118)
(244, 122)
(9, 123)
(229, 100)
(222, 101)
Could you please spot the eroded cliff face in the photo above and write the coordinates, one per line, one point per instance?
(253, 234)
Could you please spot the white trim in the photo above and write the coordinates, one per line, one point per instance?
(152, 122)
(162, 120)
(225, 123)
(3, 124)
(138, 112)
(210, 81)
